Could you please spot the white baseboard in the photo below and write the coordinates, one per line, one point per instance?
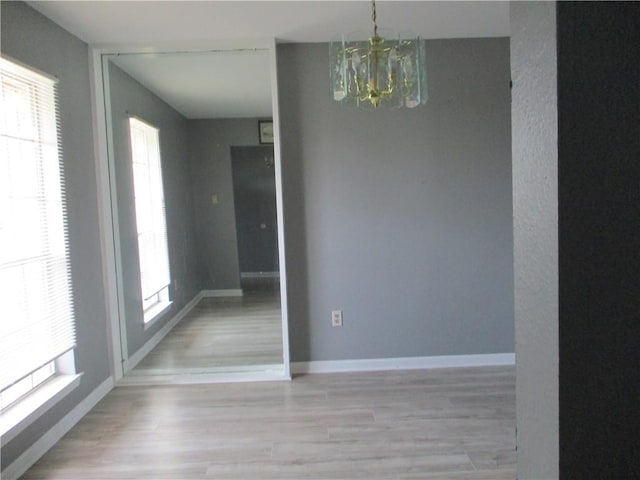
(49, 439)
(162, 372)
(404, 363)
(259, 274)
(142, 352)
(276, 374)
(229, 292)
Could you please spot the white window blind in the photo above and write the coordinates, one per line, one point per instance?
(37, 320)
(150, 212)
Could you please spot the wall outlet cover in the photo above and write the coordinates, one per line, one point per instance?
(336, 318)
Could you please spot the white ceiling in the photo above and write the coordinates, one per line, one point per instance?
(125, 22)
(222, 84)
(192, 88)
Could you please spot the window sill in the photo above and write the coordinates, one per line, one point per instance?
(18, 417)
(154, 313)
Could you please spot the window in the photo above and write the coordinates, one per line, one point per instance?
(150, 218)
(37, 331)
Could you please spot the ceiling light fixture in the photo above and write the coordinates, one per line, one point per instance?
(385, 70)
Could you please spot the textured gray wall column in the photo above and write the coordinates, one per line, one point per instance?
(535, 240)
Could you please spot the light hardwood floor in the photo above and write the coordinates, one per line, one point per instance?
(419, 424)
(221, 332)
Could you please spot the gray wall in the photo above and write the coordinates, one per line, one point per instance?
(32, 39)
(210, 143)
(535, 210)
(401, 218)
(128, 97)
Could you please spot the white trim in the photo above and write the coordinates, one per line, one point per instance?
(155, 313)
(153, 372)
(30, 456)
(229, 292)
(282, 265)
(404, 363)
(260, 274)
(133, 360)
(202, 46)
(276, 375)
(31, 70)
(108, 214)
(18, 417)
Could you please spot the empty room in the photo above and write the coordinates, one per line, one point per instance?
(323, 240)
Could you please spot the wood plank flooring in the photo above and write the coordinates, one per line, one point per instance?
(221, 332)
(418, 424)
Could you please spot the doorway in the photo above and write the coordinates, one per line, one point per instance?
(254, 193)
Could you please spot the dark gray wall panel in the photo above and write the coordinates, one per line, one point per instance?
(599, 227)
(254, 195)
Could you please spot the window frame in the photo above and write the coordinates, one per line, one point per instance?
(30, 395)
(157, 302)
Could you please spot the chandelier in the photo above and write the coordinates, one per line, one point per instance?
(383, 70)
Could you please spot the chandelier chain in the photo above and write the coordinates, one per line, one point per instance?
(374, 18)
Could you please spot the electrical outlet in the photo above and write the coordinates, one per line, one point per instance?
(336, 318)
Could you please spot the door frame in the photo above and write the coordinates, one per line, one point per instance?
(107, 196)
